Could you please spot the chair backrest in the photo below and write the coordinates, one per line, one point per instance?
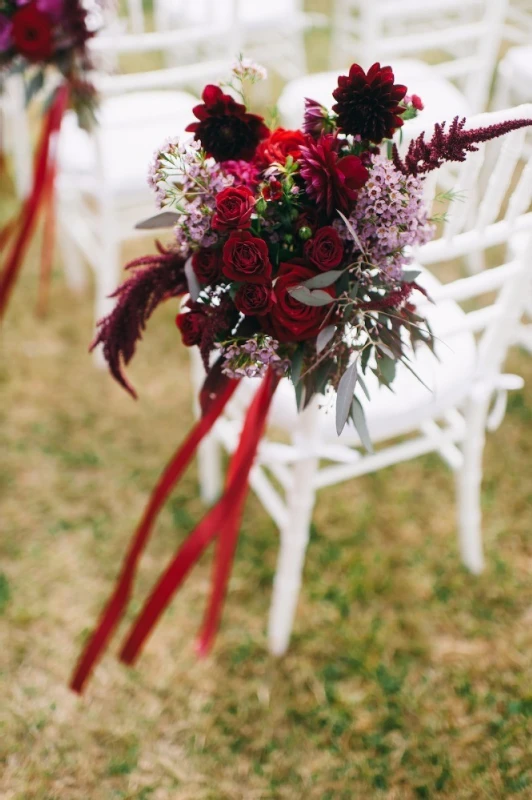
(491, 214)
(518, 28)
(460, 38)
(143, 40)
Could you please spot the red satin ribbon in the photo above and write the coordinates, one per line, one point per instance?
(120, 597)
(44, 170)
(222, 519)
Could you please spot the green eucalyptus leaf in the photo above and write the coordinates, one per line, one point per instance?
(344, 397)
(296, 365)
(386, 367)
(324, 337)
(308, 298)
(359, 421)
(323, 279)
(410, 275)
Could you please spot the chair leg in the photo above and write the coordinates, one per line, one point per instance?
(210, 469)
(72, 258)
(468, 485)
(294, 540)
(107, 276)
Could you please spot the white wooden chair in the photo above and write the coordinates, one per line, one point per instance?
(102, 188)
(443, 50)
(467, 381)
(271, 33)
(15, 137)
(518, 27)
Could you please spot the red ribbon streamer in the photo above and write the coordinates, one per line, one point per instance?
(44, 164)
(120, 597)
(222, 519)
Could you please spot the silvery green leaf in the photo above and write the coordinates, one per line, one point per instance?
(297, 363)
(410, 275)
(344, 397)
(363, 386)
(359, 420)
(324, 337)
(387, 369)
(386, 350)
(308, 298)
(165, 220)
(352, 231)
(323, 279)
(193, 285)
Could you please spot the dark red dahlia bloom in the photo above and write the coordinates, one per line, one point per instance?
(32, 33)
(332, 181)
(369, 105)
(225, 129)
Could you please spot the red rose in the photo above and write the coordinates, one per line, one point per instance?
(234, 207)
(325, 250)
(417, 102)
(245, 258)
(32, 33)
(191, 325)
(254, 299)
(206, 264)
(278, 146)
(289, 320)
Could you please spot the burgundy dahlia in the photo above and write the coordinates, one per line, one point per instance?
(331, 181)
(368, 105)
(225, 129)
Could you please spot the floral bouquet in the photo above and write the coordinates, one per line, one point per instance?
(293, 249)
(38, 37)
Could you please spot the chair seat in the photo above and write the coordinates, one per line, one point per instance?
(442, 100)
(392, 413)
(519, 61)
(131, 126)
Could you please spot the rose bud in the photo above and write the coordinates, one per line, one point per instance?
(325, 250)
(234, 207)
(206, 264)
(417, 102)
(254, 299)
(191, 325)
(246, 259)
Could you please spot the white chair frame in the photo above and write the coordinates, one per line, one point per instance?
(92, 222)
(466, 33)
(456, 432)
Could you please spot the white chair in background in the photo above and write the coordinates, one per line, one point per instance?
(15, 137)
(518, 28)
(271, 33)
(467, 381)
(101, 187)
(461, 36)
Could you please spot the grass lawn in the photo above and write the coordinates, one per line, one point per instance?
(406, 678)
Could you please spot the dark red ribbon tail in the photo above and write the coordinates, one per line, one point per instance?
(115, 608)
(223, 518)
(33, 203)
(226, 546)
